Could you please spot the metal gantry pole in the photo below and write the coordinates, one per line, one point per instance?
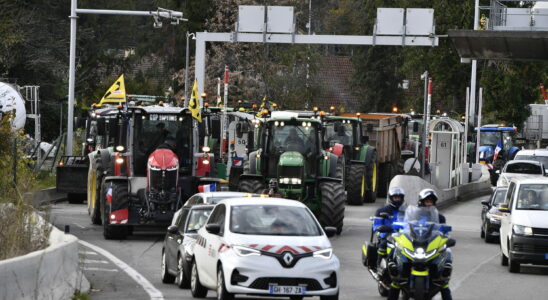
(424, 129)
(465, 142)
(473, 80)
(187, 81)
(478, 138)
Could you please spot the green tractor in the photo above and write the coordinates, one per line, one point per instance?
(289, 150)
(344, 135)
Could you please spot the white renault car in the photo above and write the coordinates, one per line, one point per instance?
(264, 246)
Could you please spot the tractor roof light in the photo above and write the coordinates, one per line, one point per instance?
(315, 108)
(358, 114)
(120, 148)
(206, 104)
(326, 157)
(206, 149)
(322, 113)
(120, 160)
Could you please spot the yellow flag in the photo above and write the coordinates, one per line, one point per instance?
(116, 93)
(193, 104)
(263, 104)
(219, 101)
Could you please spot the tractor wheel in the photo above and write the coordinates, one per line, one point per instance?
(356, 184)
(111, 232)
(251, 185)
(371, 179)
(94, 192)
(332, 196)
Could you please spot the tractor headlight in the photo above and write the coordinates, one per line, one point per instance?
(522, 230)
(324, 253)
(205, 161)
(120, 148)
(206, 149)
(245, 251)
(119, 160)
(295, 181)
(290, 181)
(482, 154)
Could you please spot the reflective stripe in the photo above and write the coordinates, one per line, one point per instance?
(394, 286)
(446, 286)
(419, 273)
(364, 250)
(381, 252)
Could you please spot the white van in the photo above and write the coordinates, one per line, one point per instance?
(524, 225)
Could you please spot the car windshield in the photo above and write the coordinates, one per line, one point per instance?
(533, 197)
(273, 220)
(499, 196)
(523, 168)
(197, 219)
(339, 132)
(542, 159)
(290, 137)
(489, 137)
(215, 200)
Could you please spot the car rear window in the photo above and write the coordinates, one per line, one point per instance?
(273, 220)
(532, 197)
(542, 159)
(523, 168)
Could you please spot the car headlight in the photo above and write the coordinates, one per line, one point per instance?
(245, 251)
(324, 253)
(419, 253)
(522, 230)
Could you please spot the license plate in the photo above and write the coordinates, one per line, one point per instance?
(287, 290)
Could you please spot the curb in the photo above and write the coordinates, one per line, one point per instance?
(45, 196)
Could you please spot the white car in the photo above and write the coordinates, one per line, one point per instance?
(533, 154)
(264, 246)
(524, 224)
(521, 169)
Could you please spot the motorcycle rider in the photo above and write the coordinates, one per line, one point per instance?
(396, 197)
(427, 197)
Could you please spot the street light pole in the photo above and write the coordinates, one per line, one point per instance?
(72, 71)
(174, 16)
(187, 81)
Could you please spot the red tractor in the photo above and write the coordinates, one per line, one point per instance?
(149, 173)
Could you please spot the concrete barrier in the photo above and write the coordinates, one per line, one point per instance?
(414, 184)
(45, 196)
(51, 273)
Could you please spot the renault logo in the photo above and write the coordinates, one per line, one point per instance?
(288, 258)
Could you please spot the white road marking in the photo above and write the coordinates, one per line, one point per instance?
(474, 270)
(87, 253)
(82, 227)
(99, 269)
(140, 279)
(92, 261)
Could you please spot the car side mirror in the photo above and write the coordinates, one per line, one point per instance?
(330, 231)
(213, 228)
(173, 229)
(365, 139)
(415, 127)
(485, 202)
(451, 243)
(503, 207)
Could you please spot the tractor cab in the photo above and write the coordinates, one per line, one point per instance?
(100, 129)
(492, 136)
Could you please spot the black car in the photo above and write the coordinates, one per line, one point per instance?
(490, 215)
(179, 243)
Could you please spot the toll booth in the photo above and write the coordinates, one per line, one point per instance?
(446, 152)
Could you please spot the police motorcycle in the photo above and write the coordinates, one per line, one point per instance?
(380, 232)
(420, 260)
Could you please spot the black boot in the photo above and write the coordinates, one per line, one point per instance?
(446, 294)
(393, 293)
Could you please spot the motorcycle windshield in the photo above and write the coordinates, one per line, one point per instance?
(422, 214)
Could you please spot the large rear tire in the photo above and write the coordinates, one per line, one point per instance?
(94, 193)
(251, 185)
(332, 212)
(355, 184)
(111, 232)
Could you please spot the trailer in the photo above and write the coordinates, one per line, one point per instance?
(388, 134)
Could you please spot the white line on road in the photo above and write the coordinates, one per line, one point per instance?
(87, 252)
(99, 269)
(93, 261)
(140, 279)
(474, 270)
(82, 227)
